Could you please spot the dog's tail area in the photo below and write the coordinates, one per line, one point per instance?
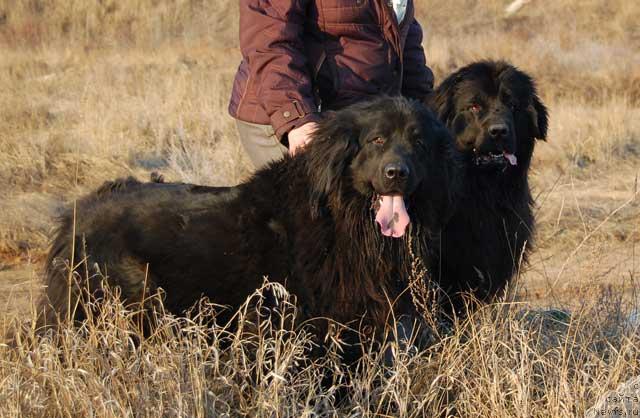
(61, 277)
(66, 273)
(80, 275)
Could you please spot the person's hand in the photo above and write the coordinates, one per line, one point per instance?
(299, 137)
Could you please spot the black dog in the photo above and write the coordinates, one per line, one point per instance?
(495, 115)
(322, 224)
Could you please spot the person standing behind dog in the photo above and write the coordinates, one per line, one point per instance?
(301, 57)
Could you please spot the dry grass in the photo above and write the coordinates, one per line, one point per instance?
(91, 90)
(508, 360)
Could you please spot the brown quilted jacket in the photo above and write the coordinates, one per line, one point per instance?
(303, 55)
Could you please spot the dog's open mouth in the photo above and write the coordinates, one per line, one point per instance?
(494, 159)
(391, 214)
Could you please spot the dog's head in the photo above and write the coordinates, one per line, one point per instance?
(378, 151)
(493, 112)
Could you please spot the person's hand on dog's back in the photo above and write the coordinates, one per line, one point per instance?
(299, 137)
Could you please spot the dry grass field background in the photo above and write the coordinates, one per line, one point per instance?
(95, 89)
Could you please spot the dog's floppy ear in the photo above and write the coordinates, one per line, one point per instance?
(441, 100)
(539, 117)
(334, 145)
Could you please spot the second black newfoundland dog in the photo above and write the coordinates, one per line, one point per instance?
(332, 225)
(495, 116)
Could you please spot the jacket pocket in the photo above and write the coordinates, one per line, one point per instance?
(346, 11)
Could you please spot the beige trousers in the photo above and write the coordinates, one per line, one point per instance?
(260, 143)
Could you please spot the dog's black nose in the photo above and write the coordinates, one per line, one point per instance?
(396, 171)
(498, 130)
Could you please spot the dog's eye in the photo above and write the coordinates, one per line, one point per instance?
(378, 140)
(475, 107)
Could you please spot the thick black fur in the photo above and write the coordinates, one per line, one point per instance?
(491, 230)
(306, 222)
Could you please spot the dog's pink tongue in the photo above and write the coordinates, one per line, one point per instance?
(392, 216)
(513, 160)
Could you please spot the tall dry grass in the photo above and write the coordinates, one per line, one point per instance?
(111, 23)
(507, 360)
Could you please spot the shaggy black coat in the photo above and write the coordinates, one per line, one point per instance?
(494, 114)
(306, 222)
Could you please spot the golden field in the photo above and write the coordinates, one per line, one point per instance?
(92, 90)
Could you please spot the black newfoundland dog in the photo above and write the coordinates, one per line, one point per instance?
(332, 225)
(495, 116)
